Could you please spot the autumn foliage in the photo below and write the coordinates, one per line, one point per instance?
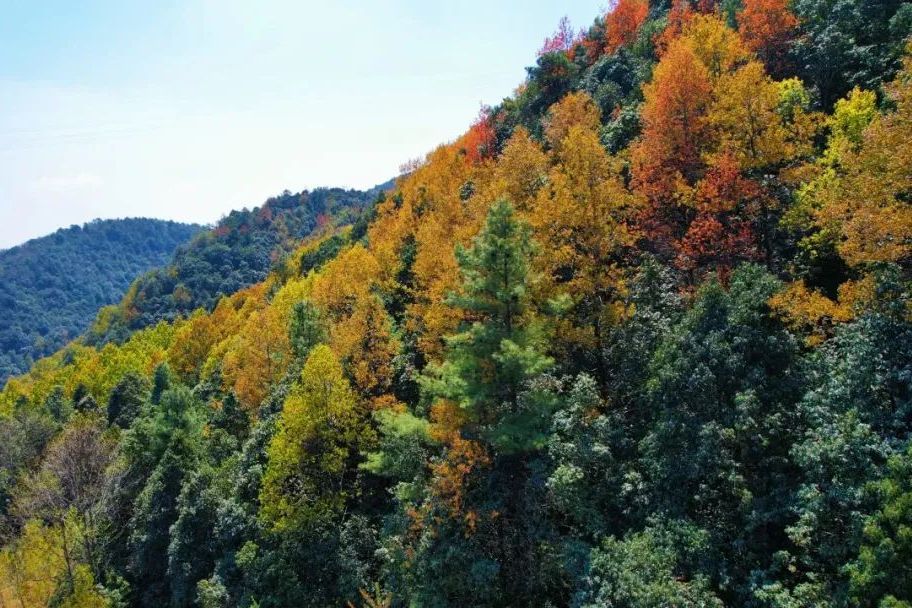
(768, 27)
(668, 158)
(562, 41)
(623, 22)
(639, 337)
(478, 142)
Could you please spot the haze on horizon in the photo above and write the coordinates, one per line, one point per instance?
(195, 108)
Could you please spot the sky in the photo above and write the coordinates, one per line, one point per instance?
(187, 110)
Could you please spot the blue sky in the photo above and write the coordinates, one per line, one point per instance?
(186, 110)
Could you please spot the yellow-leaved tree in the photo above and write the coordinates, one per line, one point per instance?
(746, 115)
(34, 569)
(521, 171)
(575, 110)
(313, 457)
(368, 347)
(581, 221)
(870, 207)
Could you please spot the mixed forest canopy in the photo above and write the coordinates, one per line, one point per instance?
(52, 287)
(238, 252)
(640, 337)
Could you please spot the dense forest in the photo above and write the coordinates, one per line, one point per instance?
(640, 337)
(52, 287)
(238, 252)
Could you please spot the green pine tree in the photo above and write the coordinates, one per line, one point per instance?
(489, 364)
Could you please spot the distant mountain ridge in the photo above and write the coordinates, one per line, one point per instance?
(51, 286)
(127, 274)
(236, 253)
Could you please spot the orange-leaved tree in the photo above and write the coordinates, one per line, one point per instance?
(623, 22)
(768, 27)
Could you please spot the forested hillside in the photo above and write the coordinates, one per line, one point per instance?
(640, 337)
(237, 253)
(52, 287)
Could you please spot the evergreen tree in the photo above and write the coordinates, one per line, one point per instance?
(722, 392)
(127, 399)
(493, 373)
(161, 382)
(57, 405)
(489, 364)
(659, 566)
(882, 573)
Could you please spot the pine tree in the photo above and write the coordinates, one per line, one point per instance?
(489, 363)
(127, 399)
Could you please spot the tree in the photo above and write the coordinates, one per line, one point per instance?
(127, 399)
(33, 573)
(586, 446)
(668, 155)
(69, 488)
(716, 45)
(583, 220)
(818, 247)
(161, 449)
(479, 141)
(83, 401)
(488, 364)
(490, 412)
(521, 171)
(881, 575)
(851, 116)
(23, 438)
(344, 282)
(731, 210)
(856, 416)
(746, 115)
(161, 382)
(193, 546)
(192, 344)
(154, 514)
(58, 406)
(310, 473)
(722, 390)
(366, 339)
(679, 15)
(716, 241)
(258, 356)
(842, 44)
(655, 299)
(543, 371)
(656, 567)
(623, 22)
(573, 110)
(869, 207)
(51, 287)
(561, 41)
(767, 27)
(307, 328)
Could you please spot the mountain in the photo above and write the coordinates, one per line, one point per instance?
(51, 287)
(641, 336)
(238, 252)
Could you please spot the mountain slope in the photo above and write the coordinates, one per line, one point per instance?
(236, 253)
(51, 287)
(640, 337)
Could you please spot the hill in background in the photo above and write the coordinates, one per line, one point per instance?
(140, 271)
(238, 252)
(51, 287)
